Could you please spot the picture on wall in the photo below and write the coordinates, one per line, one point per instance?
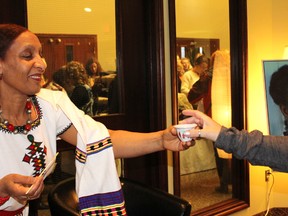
(276, 117)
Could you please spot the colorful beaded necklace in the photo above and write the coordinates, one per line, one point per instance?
(18, 129)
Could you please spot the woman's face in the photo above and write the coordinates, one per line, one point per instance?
(23, 65)
(94, 67)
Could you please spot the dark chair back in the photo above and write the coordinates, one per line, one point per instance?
(143, 200)
(63, 199)
(140, 199)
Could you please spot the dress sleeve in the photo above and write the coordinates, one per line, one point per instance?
(199, 90)
(258, 149)
(63, 123)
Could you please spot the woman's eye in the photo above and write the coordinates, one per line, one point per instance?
(27, 56)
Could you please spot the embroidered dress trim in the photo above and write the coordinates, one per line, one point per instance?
(99, 146)
(111, 203)
(34, 124)
(80, 155)
(65, 129)
(4, 199)
(93, 149)
(18, 212)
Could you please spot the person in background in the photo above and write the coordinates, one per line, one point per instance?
(199, 97)
(94, 71)
(195, 53)
(32, 118)
(278, 89)
(186, 64)
(191, 77)
(81, 95)
(183, 102)
(187, 81)
(200, 92)
(180, 73)
(58, 81)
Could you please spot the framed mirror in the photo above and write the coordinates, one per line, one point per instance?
(238, 197)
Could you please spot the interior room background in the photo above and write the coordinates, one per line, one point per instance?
(267, 37)
(78, 22)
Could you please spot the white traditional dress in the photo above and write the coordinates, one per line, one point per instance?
(97, 182)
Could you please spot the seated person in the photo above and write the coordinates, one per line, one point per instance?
(81, 95)
(58, 80)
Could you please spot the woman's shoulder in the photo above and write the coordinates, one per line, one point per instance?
(51, 96)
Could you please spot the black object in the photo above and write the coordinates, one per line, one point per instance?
(140, 200)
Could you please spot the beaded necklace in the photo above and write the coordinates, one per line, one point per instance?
(18, 129)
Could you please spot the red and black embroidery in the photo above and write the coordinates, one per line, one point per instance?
(36, 155)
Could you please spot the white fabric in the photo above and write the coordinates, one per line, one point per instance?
(98, 174)
(200, 157)
(183, 102)
(100, 167)
(14, 147)
(188, 80)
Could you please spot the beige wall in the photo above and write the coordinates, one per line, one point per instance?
(267, 37)
(203, 19)
(68, 17)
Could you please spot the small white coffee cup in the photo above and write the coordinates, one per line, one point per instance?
(181, 129)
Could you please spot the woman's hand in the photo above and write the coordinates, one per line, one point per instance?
(172, 142)
(21, 188)
(207, 127)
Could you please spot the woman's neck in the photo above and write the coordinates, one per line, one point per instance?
(15, 111)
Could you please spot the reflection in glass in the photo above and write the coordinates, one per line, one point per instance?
(203, 27)
(78, 34)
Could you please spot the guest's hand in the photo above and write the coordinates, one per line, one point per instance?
(17, 186)
(207, 127)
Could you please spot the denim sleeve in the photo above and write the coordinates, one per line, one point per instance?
(253, 146)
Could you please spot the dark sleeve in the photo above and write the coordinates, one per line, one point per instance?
(253, 146)
(80, 96)
(198, 90)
